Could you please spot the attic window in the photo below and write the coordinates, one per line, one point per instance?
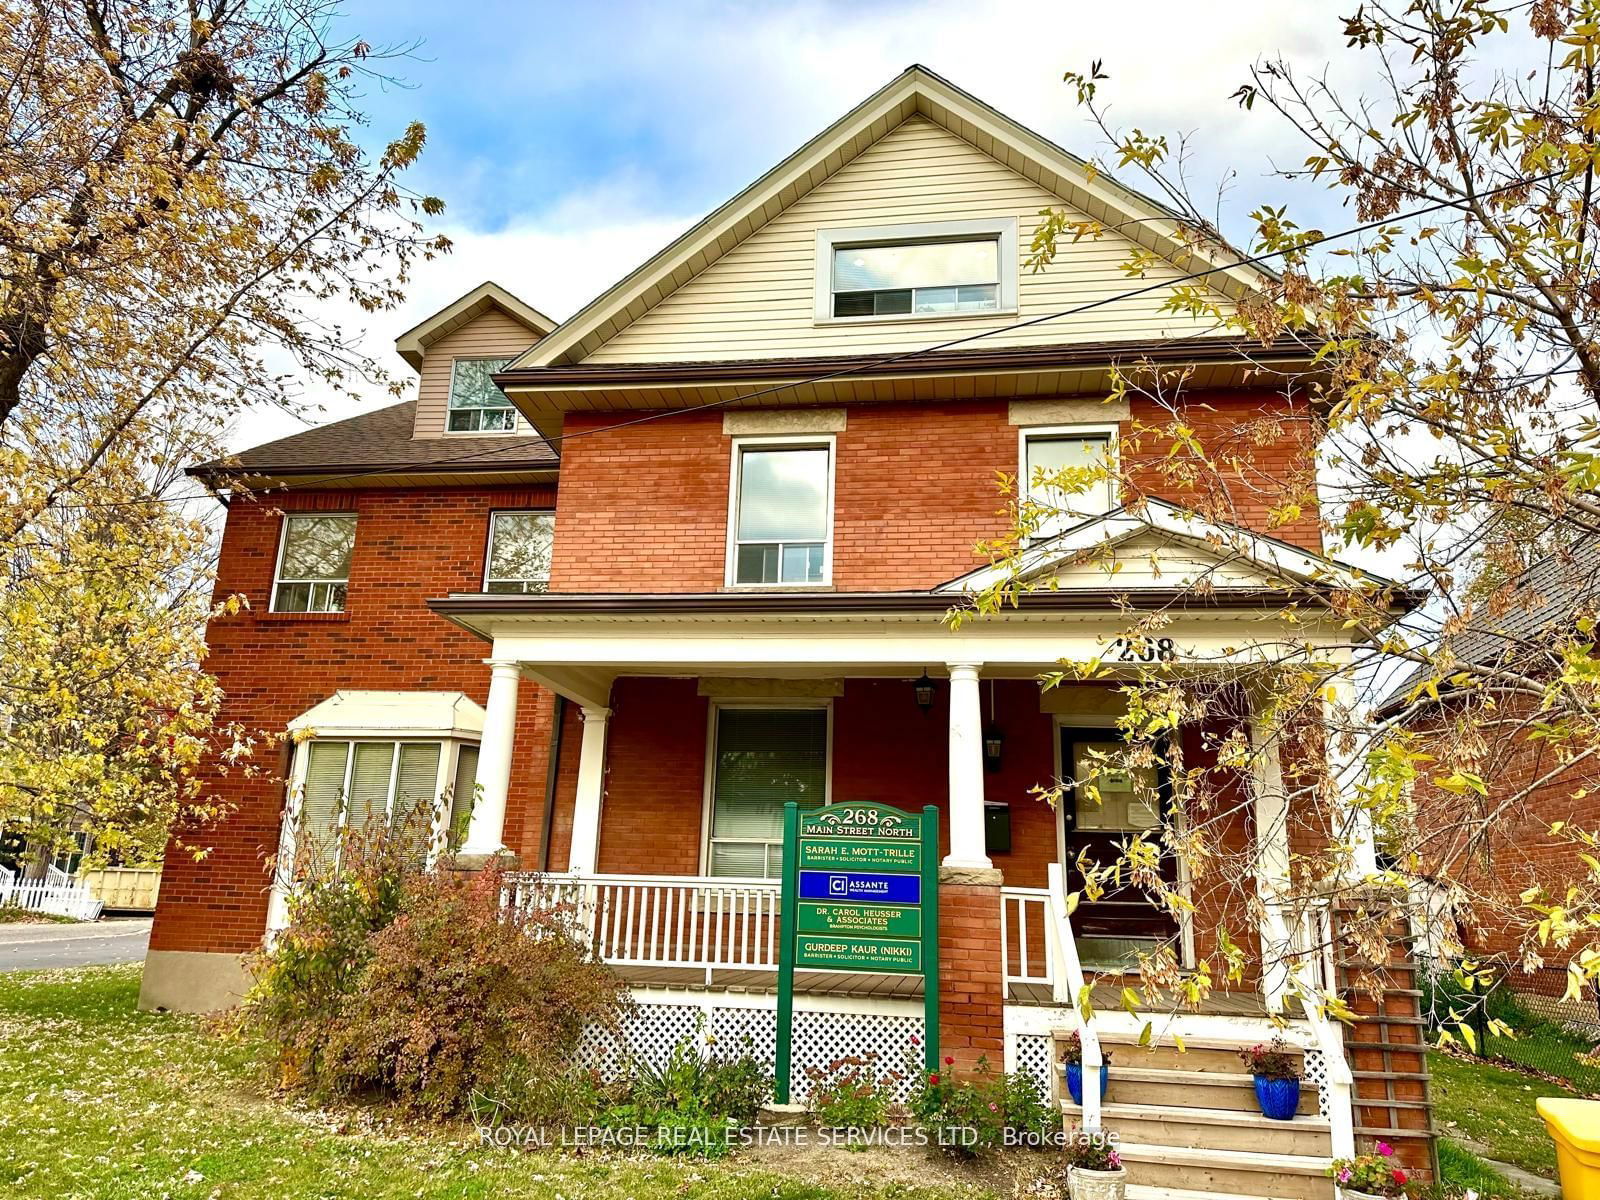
(942, 269)
(476, 404)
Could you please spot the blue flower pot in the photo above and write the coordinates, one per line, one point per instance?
(1074, 1073)
(1279, 1098)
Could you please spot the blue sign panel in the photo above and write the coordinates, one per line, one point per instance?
(861, 885)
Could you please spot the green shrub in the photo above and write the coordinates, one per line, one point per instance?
(420, 988)
(966, 1117)
(695, 1102)
(851, 1092)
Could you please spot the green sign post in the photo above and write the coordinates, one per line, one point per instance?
(860, 893)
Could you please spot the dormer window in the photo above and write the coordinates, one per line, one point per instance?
(476, 404)
(940, 269)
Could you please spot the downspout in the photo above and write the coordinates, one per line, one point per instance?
(552, 773)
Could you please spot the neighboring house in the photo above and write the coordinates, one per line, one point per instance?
(1499, 845)
(636, 653)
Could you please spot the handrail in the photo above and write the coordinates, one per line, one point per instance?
(1071, 986)
(1288, 978)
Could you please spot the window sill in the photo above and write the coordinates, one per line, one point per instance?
(777, 587)
(913, 318)
(308, 618)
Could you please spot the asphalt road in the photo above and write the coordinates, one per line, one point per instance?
(34, 947)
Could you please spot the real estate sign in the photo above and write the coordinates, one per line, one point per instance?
(860, 893)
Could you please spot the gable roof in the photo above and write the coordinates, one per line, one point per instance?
(413, 344)
(379, 443)
(917, 91)
(1268, 560)
(1552, 593)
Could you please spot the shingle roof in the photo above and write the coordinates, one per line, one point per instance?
(1550, 595)
(379, 443)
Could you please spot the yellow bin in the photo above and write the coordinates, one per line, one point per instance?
(1575, 1126)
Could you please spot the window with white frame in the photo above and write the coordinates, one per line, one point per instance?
(519, 552)
(1068, 473)
(314, 562)
(782, 512)
(477, 405)
(761, 759)
(936, 269)
(358, 783)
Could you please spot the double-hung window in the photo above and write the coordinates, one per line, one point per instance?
(519, 552)
(1068, 473)
(940, 269)
(782, 512)
(314, 563)
(476, 404)
(361, 783)
(761, 759)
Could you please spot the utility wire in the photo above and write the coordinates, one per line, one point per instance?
(843, 372)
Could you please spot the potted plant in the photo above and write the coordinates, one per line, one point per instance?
(1369, 1176)
(1094, 1168)
(1072, 1068)
(1277, 1079)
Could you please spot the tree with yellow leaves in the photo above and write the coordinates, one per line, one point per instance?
(183, 199)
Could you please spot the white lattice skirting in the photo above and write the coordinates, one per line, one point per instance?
(826, 1029)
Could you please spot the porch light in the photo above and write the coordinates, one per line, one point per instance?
(993, 743)
(923, 690)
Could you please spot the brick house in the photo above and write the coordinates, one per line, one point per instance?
(735, 572)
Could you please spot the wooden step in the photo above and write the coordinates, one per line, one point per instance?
(1146, 1191)
(1209, 1128)
(1168, 1088)
(1228, 1172)
(1209, 1054)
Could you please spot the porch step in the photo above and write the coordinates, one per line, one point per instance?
(1209, 1055)
(1146, 1191)
(1228, 1172)
(1184, 1089)
(1209, 1128)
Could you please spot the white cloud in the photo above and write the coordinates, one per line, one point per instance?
(728, 90)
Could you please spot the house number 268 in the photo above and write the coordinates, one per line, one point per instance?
(1143, 650)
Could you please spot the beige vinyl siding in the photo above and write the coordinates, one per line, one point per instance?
(491, 335)
(1151, 561)
(757, 300)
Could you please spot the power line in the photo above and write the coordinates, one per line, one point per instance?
(885, 360)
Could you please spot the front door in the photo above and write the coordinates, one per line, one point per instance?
(1125, 920)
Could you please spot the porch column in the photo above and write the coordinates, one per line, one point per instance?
(585, 850)
(486, 832)
(1271, 865)
(1341, 717)
(967, 848)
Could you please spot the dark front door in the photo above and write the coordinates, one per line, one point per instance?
(1104, 807)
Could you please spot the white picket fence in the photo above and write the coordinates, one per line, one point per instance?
(48, 895)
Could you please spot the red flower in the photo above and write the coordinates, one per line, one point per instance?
(933, 1077)
(948, 1061)
(1399, 1176)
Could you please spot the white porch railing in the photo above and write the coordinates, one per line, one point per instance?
(1070, 987)
(665, 921)
(1025, 939)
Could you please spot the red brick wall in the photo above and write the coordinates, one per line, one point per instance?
(971, 984)
(645, 508)
(411, 545)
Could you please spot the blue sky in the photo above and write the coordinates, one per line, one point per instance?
(570, 140)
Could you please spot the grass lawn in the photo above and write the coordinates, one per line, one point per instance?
(1495, 1107)
(99, 1100)
(11, 914)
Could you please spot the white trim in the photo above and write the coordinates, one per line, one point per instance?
(1112, 433)
(708, 786)
(793, 441)
(488, 547)
(283, 543)
(1003, 230)
(517, 419)
(1219, 539)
